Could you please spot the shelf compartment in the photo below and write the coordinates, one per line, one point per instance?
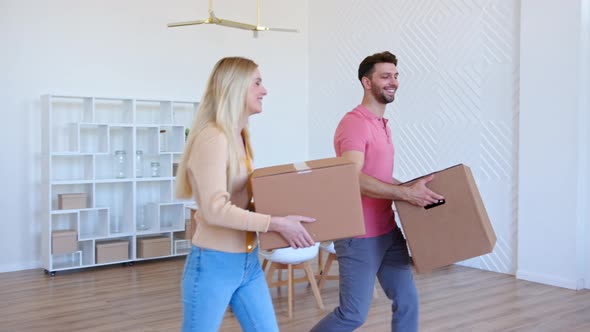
(182, 246)
(66, 112)
(67, 261)
(112, 196)
(121, 139)
(116, 111)
(172, 217)
(183, 113)
(93, 138)
(147, 218)
(165, 161)
(58, 189)
(153, 112)
(87, 249)
(94, 223)
(147, 139)
(72, 168)
(171, 139)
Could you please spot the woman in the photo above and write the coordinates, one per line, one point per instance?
(223, 267)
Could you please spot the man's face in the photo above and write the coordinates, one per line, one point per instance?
(383, 82)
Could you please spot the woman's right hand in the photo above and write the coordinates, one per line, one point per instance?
(292, 230)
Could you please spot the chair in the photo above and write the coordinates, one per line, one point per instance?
(292, 259)
(324, 269)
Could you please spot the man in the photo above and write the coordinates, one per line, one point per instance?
(364, 137)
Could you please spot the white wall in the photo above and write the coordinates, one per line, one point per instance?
(458, 95)
(123, 48)
(553, 159)
(584, 122)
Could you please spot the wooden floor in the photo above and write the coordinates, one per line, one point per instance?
(146, 297)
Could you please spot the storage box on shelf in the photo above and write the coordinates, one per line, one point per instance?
(112, 251)
(63, 241)
(155, 246)
(71, 201)
(97, 184)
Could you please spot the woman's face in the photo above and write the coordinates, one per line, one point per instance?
(256, 92)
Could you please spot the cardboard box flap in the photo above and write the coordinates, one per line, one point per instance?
(423, 176)
(299, 167)
(65, 232)
(115, 243)
(73, 195)
(154, 239)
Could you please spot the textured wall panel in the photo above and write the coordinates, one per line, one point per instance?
(458, 95)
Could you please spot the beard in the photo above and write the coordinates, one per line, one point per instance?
(380, 95)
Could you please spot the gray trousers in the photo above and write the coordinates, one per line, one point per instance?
(360, 261)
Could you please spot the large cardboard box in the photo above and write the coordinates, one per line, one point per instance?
(64, 241)
(155, 246)
(456, 230)
(324, 189)
(112, 251)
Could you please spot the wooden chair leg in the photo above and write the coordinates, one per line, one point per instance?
(320, 263)
(314, 287)
(264, 263)
(290, 289)
(326, 270)
(269, 273)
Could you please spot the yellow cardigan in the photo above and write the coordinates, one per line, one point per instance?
(222, 219)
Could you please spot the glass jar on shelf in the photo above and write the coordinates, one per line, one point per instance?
(141, 223)
(120, 164)
(139, 163)
(155, 169)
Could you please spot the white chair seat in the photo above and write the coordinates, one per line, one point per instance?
(290, 255)
(328, 246)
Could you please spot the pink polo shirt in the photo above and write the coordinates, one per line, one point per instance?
(361, 130)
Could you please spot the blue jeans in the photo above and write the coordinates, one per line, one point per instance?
(360, 261)
(213, 279)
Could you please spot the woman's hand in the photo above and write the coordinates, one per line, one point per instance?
(292, 230)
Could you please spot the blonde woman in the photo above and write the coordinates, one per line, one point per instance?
(223, 267)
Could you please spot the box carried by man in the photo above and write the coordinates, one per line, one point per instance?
(456, 229)
(324, 189)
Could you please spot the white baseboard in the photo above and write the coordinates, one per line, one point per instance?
(19, 267)
(549, 280)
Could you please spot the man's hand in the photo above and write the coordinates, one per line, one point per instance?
(419, 194)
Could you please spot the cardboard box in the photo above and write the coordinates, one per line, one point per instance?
(454, 231)
(112, 251)
(64, 242)
(71, 201)
(325, 189)
(156, 246)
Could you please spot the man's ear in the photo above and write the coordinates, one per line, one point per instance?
(366, 82)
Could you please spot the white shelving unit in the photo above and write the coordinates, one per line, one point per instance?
(80, 137)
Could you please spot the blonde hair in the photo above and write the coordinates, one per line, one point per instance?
(224, 106)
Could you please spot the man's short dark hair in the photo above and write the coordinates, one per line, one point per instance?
(367, 67)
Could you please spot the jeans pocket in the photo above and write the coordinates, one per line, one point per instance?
(344, 244)
(193, 261)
